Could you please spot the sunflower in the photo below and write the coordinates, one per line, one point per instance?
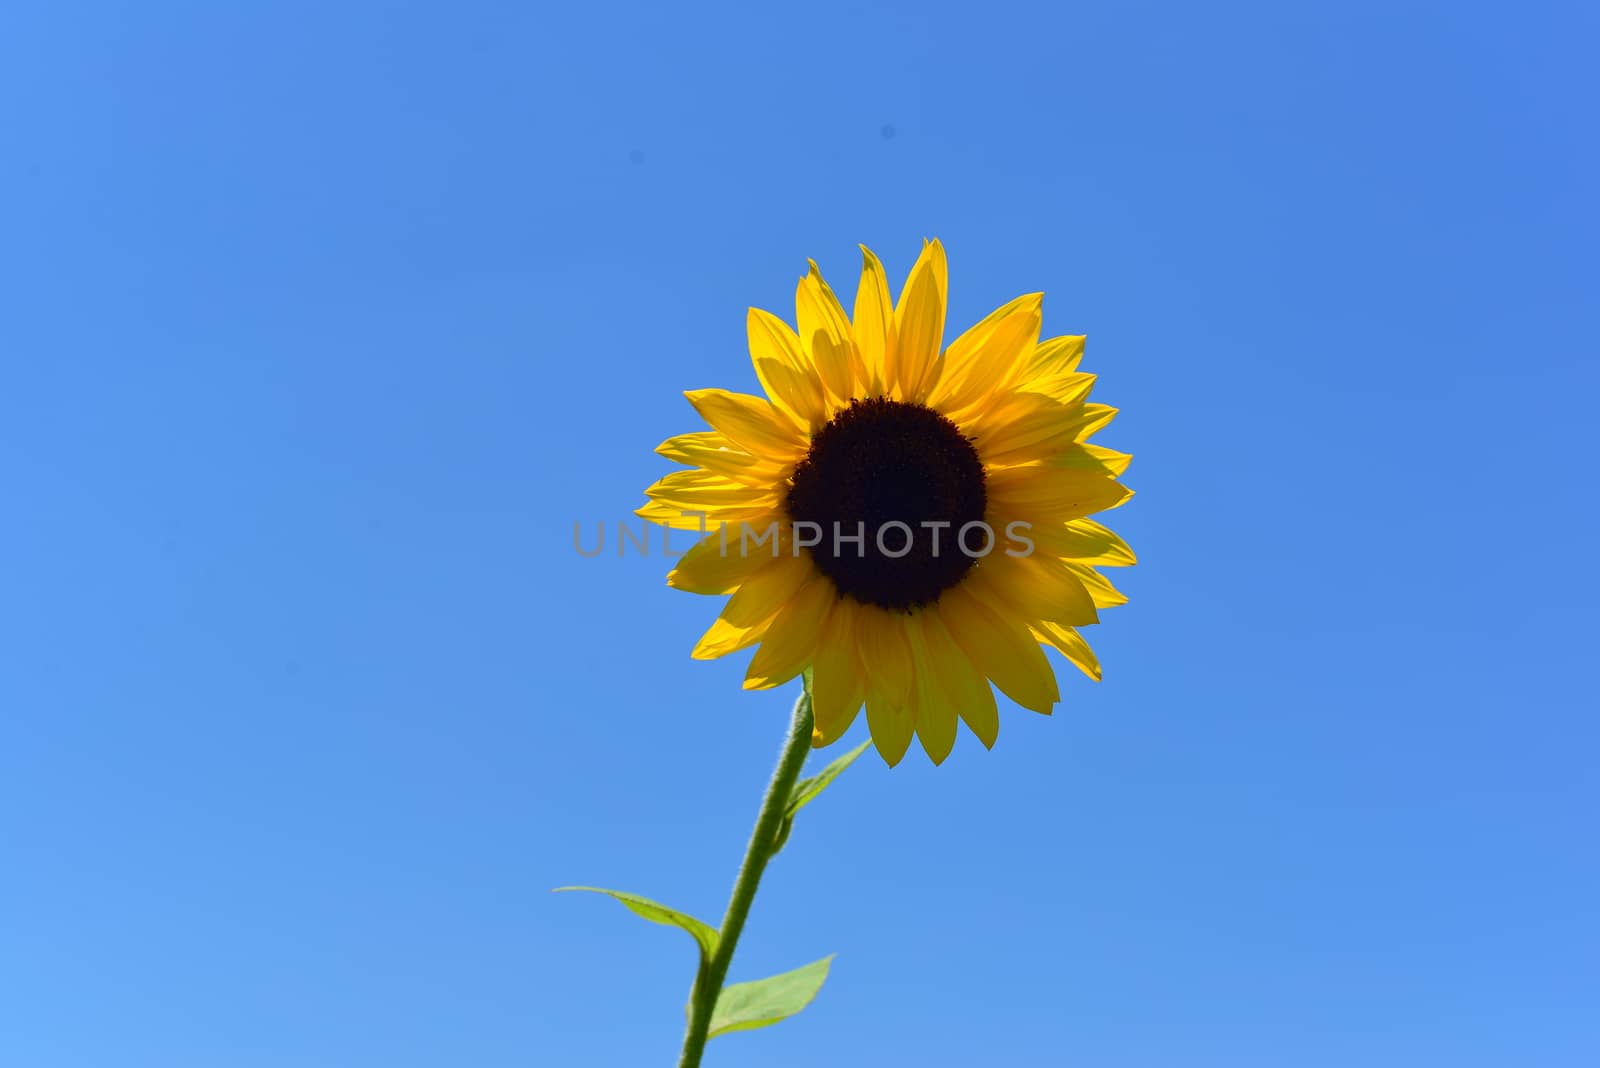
(908, 521)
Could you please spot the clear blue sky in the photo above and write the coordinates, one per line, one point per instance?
(321, 327)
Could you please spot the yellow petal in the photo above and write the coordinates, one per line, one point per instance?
(887, 657)
(785, 373)
(702, 501)
(1083, 541)
(1057, 356)
(1070, 455)
(701, 489)
(824, 333)
(935, 712)
(891, 727)
(919, 324)
(757, 601)
(1042, 494)
(1071, 645)
(798, 391)
(714, 452)
(722, 638)
(689, 448)
(838, 682)
(1066, 389)
(1090, 419)
(1101, 591)
(961, 679)
(988, 357)
(1001, 647)
(706, 518)
(1017, 421)
(874, 322)
(1031, 426)
(884, 652)
(719, 564)
(1037, 587)
(790, 643)
(751, 423)
(1115, 462)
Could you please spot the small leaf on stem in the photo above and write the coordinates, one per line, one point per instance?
(807, 789)
(746, 1006)
(656, 912)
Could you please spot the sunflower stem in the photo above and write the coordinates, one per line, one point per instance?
(763, 841)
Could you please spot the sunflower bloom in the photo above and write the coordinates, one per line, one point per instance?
(908, 520)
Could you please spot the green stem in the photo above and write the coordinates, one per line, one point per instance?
(708, 983)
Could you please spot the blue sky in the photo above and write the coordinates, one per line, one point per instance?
(322, 327)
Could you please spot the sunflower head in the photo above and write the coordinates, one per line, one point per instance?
(908, 520)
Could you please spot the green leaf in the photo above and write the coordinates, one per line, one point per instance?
(746, 1006)
(656, 912)
(807, 789)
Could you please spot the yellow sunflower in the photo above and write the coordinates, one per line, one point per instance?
(907, 520)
